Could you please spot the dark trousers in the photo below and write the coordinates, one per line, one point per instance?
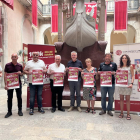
(56, 90)
(33, 89)
(10, 97)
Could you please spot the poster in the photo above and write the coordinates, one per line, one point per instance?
(47, 54)
(73, 74)
(105, 79)
(122, 78)
(37, 77)
(58, 79)
(12, 80)
(138, 82)
(88, 80)
(133, 51)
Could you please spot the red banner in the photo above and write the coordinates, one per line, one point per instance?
(138, 75)
(106, 78)
(54, 19)
(34, 13)
(73, 74)
(58, 79)
(122, 78)
(37, 77)
(12, 80)
(88, 80)
(47, 54)
(9, 3)
(120, 15)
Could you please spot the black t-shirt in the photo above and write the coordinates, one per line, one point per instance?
(109, 67)
(77, 64)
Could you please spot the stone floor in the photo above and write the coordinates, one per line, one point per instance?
(64, 126)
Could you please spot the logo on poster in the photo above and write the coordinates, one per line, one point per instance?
(118, 52)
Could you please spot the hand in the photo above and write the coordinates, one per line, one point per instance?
(19, 72)
(113, 72)
(6, 88)
(0, 74)
(44, 71)
(52, 72)
(130, 86)
(96, 73)
(67, 69)
(82, 73)
(99, 72)
(79, 69)
(29, 73)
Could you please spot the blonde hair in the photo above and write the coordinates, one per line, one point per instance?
(88, 60)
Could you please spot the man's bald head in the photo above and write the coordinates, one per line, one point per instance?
(14, 57)
(35, 56)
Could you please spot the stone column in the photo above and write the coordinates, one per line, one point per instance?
(101, 27)
(64, 24)
(59, 20)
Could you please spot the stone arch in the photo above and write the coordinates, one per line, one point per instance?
(123, 38)
(47, 33)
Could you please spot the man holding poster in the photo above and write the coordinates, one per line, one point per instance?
(75, 86)
(107, 66)
(56, 72)
(13, 71)
(35, 69)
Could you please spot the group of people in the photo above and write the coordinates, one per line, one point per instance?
(89, 93)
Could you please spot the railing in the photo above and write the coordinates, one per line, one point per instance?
(46, 9)
(133, 5)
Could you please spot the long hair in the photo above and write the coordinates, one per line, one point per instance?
(128, 60)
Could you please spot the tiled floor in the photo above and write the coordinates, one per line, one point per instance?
(64, 125)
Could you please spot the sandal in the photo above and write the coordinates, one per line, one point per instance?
(88, 110)
(121, 116)
(93, 111)
(128, 117)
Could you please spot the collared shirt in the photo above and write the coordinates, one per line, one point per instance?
(11, 68)
(77, 63)
(109, 67)
(32, 65)
(54, 67)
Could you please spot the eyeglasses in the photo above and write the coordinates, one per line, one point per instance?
(35, 54)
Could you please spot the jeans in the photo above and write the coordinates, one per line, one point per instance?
(56, 90)
(33, 89)
(10, 97)
(110, 91)
(75, 86)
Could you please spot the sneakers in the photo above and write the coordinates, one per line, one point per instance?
(110, 113)
(41, 110)
(70, 109)
(102, 112)
(20, 113)
(8, 114)
(31, 112)
(79, 109)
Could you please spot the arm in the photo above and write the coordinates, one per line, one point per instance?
(132, 74)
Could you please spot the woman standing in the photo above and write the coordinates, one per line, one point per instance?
(125, 64)
(89, 93)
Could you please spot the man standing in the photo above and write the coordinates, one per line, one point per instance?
(34, 65)
(75, 86)
(13, 67)
(108, 66)
(56, 67)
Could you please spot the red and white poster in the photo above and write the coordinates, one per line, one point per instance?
(122, 78)
(73, 74)
(138, 75)
(58, 79)
(105, 79)
(12, 80)
(133, 51)
(47, 54)
(88, 80)
(37, 77)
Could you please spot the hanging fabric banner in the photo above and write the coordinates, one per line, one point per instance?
(9, 3)
(34, 13)
(120, 16)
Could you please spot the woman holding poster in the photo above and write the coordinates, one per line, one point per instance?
(89, 92)
(125, 64)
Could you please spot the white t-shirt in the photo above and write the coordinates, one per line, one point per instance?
(54, 67)
(32, 65)
(0, 69)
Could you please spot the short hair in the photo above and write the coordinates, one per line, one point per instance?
(73, 52)
(108, 54)
(88, 60)
(128, 60)
(57, 55)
